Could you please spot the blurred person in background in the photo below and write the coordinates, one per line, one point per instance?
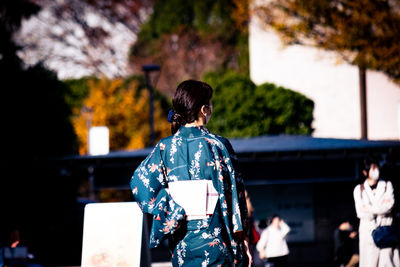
(346, 245)
(262, 224)
(15, 250)
(272, 246)
(374, 200)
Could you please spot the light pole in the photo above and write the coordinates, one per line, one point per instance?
(147, 70)
(88, 114)
(363, 102)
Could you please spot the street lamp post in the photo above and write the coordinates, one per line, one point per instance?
(147, 70)
(88, 114)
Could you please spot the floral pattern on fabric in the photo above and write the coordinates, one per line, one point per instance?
(192, 153)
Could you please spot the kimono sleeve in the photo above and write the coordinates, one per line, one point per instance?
(240, 188)
(148, 185)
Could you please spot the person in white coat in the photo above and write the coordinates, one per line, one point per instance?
(374, 200)
(272, 245)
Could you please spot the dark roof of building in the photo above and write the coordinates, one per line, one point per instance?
(287, 143)
(272, 144)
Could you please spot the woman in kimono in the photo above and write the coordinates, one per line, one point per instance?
(191, 186)
(374, 201)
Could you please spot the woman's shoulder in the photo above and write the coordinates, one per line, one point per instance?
(222, 140)
(358, 188)
(166, 140)
(385, 183)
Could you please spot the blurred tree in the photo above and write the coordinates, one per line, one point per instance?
(38, 118)
(35, 125)
(12, 13)
(122, 106)
(78, 91)
(82, 37)
(242, 109)
(190, 38)
(363, 32)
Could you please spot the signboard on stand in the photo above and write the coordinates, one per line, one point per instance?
(112, 235)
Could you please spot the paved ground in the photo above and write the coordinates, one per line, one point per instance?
(161, 264)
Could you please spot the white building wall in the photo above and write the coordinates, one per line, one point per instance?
(332, 84)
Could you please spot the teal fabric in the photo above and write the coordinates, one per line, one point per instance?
(194, 153)
(203, 245)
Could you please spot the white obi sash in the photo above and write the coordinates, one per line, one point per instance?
(197, 197)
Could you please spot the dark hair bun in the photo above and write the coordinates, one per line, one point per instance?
(188, 99)
(177, 118)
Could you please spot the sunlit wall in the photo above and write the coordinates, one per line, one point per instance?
(332, 84)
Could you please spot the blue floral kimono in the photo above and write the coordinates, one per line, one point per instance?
(194, 153)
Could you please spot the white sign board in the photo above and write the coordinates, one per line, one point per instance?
(112, 235)
(99, 143)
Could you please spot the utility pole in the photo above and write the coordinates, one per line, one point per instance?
(147, 70)
(88, 114)
(363, 102)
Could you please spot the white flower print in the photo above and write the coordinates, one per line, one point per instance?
(153, 167)
(181, 252)
(162, 146)
(172, 152)
(195, 165)
(217, 231)
(154, 240)
(224, 205)
(237, 209)
(204, 235)
(160, 178)
(235, 224)
(176, 140)
(151, 206)
(172, 178)
(146, 181)
(206, 260)
(180, 258)
(143, 174)
(203, 223)
(172, 204)
(215, 141)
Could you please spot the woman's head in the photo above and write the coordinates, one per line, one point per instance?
(274, 219)
(192, 101)
(371, 169)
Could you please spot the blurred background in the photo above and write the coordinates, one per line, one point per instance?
(305, 91)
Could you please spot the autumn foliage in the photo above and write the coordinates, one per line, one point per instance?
(123, 107)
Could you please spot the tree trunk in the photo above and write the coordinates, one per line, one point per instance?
(363, 102)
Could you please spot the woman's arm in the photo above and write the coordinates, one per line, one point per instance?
(363, 211)
(148, 185)
(262, 243)
(240, 219)
(385, 204)
(284, 228)
(240, 186)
